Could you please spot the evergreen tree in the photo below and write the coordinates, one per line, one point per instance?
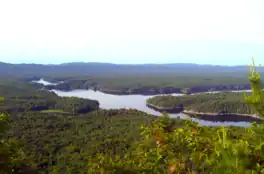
(256, 99)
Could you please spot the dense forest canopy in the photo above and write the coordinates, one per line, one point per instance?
(146, 79)
(153, 82)
(230, 102)
(122, 141)
(20, 96)
(66, 143)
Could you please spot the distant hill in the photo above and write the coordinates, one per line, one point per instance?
(106, 69)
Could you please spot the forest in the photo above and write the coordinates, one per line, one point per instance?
(22, 97)
(120, 141)
(228, 102)
(121, 79)
(151, 85)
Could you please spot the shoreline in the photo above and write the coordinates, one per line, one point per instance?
(55, 85)
(235, 117)
(167, 93)
(216, 114)
(169, 110)
(144, 93)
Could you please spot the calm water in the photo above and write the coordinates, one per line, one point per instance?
(41, 81)
(109, 101)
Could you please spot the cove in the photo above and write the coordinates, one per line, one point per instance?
(110, 101)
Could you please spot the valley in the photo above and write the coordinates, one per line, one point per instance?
(132, 87)
(70, 123)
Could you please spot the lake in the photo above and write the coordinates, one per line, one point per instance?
(109, 101)
(42, 81)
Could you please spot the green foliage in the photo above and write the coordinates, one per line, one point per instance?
(154, 84)
(256, 99)
(24, 99)
(230, 102)
(12, 157)
(3, 120)
(126, 141)
(188, 149)
(66, 143)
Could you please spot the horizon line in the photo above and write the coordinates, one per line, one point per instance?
(174, 63)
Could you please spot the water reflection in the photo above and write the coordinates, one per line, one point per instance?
(45, 83)
(109, 101)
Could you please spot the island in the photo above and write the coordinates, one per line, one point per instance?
(222, 106)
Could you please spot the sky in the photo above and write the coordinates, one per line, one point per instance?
(223, 32)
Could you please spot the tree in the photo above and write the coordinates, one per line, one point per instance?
(12, 157)
(256, 99)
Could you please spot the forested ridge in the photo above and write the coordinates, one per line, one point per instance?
(155, 84)
(127, 141)
(121, 79)
(109, 69)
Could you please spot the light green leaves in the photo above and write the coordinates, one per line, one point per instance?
(256, 99)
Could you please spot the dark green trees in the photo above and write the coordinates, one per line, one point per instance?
(12, 157)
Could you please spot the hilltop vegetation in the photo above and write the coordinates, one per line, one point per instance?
(78, 144)
(195, 149)
(66, 143)
(129, 141)
(223, 102)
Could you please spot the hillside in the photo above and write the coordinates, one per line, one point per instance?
(122, 141)
(146, 79)
(22, 97)
(80, 69)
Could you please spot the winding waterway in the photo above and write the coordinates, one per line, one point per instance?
(109, 101)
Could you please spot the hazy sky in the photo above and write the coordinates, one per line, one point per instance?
(136, 31)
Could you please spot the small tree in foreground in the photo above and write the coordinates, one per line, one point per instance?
(256, 99)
